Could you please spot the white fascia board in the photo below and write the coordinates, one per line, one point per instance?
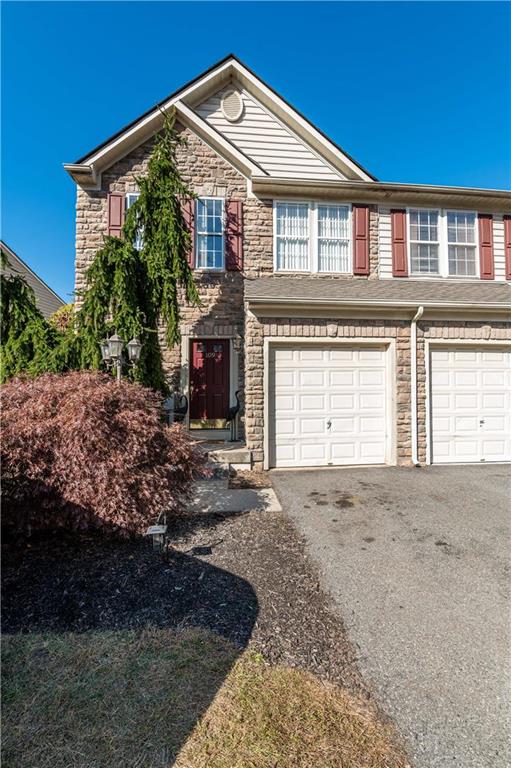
(293, 119)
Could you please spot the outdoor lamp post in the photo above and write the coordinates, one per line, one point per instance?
(111, 353)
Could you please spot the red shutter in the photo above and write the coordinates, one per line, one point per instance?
(399, 257)
(188, 207)
(486, 246)
(507, 245)
(360, 240)
(115, 213)
(234, 235)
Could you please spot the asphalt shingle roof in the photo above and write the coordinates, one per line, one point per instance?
(398, 290)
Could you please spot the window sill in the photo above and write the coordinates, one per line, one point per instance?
(429, 276)
(311, 274)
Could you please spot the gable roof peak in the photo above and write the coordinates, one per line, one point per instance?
(87, 169)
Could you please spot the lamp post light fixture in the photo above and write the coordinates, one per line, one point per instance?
(112, 349)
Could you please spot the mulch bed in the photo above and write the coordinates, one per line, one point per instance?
(246, 577)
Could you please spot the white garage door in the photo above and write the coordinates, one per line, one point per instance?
(471, 404)
(327, 406)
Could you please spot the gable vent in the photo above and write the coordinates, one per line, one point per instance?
(232, 106)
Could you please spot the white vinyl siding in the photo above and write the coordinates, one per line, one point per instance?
(384, 243)
(424, 241)
(209, 233)
(461, 247)
(312, 237)
(499, 250)
(265, 140)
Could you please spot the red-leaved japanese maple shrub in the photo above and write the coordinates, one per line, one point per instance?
(80, 451)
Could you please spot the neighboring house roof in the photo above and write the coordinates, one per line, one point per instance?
(395, 293)
(47, 300)
(322, 156)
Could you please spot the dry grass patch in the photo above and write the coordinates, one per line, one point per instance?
(275, 717)
(141, 699)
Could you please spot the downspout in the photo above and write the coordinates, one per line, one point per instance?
(413, 344)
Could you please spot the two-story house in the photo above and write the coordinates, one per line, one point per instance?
(364, 322)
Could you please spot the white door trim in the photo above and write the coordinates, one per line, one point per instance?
(431, 344)
(352, 341)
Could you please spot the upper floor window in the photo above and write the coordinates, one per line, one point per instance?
(461, 242)
(311, 237)
(210, 233)
(293, 237)
(424, 241)
(333, 238)
(130, 199)
(442, 243)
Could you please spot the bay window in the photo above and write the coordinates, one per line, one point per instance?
(312, 237)
(210, 233)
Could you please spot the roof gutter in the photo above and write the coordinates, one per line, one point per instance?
(382, 192)
(377, 303)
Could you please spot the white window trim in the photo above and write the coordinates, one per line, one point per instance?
(196, 235)
(443, 245)
(313, 237)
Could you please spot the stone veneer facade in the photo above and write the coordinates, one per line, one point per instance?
(223, 313)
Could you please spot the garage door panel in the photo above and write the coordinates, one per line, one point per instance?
(341, 378)
(372, 378)
(344, 425)
(310, 426)
(310, 378)
(285, 403)
(343, 453)
(285, 427)
(470, 405)
(337, 408)
(493, 401)
(494, 378)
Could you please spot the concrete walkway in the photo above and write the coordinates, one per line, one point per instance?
(418, 562)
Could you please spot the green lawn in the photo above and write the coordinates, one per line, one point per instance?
(158, 698)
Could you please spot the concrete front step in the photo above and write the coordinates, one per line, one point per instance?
(231, 456)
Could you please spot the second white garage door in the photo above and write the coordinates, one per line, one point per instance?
(471, 404)
(327, 406)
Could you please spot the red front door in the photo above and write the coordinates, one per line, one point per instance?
(209, 379)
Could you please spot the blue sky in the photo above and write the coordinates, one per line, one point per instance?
(416, 92)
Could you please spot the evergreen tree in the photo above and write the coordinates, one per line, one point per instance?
(27, 339)
(135, 291)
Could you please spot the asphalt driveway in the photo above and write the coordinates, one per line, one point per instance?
(418, 563)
